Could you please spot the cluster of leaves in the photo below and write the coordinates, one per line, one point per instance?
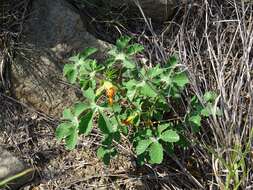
(123, 97)
(199, 111)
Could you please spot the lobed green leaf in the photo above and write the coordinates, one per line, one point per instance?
(123, 42)
(196, 119)
(71, 73)
(134, 49)
(147, 90)
(180, 79)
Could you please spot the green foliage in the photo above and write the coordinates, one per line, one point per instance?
(121, 96)
(199, 111)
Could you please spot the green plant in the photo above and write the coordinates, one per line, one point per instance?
(232, 163)
(199, 111)
(123, 97)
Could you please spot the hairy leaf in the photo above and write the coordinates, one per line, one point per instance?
(128, 63)
(71, 73)
(68, 68)
(85, 125)
(146, 90)
(71, 140)
(156, 153)
(173, 60)
(180, 79)
(170, 136)
(134, 49)
(122, 42)
(142, 146)
(63, 130)
(196, 119)
(79, 108)
(210, 96)
(162, 127)
(89, 94)
(67, 114)
(101, 151)
(154, 72)
(103, 124)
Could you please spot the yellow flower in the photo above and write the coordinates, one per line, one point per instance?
(130, 119)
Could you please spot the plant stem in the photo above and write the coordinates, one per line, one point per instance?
(16, 176)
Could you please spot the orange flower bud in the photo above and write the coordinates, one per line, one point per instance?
(110, 100)
(110, 94)
(126, 122)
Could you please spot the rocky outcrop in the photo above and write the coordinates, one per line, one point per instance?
(13, 172)
(54, 31)
(159, 10)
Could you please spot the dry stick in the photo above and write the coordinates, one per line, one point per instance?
(48, 118)
(218, 130)
(151, 30)
(207, 39)
(248, 65)
(187, 172)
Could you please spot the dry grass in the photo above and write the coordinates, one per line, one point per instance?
(31, 137)
(213, 39)
(12, 16)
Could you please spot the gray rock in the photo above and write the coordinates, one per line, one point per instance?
(159, 10)
(13, 172)
(54, 31)
(7, 161)
(57, 25)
